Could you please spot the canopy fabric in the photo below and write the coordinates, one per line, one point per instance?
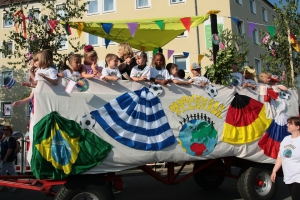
(148, 36)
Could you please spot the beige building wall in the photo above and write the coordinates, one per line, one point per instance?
(127, 9)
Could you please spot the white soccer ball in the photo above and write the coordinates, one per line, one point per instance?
(284, 95)
(87, 122)
(211, 90)
(156, 89)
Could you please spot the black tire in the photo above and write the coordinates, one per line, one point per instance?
(87, 189)
(210, 177)
(255, 184)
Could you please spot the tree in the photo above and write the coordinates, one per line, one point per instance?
(279, 56)
(235, 52)
(33, 34)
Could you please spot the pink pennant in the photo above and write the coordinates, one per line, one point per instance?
(222, 46)
(186, 23)
(132, 27)
(170, 53)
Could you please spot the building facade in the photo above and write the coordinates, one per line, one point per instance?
(196, 42)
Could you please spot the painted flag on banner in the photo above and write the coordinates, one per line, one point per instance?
(71, 84)
(137, 120)
(61, 148)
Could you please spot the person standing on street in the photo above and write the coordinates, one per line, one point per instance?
(289, 158)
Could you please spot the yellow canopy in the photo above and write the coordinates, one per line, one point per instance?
(150, 34)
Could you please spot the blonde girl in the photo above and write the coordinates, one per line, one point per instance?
(249, 77)
(126, 59)
(44, 63)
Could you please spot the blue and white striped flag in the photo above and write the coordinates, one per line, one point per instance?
(137, 120)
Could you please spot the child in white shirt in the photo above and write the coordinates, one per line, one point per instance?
(111, 72)
(141, 72)
(198, 80)
(158, 73)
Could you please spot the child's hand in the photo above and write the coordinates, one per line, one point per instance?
(190, 81)
(60, 75)
(16, 104)
(165, 82)
(203, 84)
(94, 66)
(115, 78)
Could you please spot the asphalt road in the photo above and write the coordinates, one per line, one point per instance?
(140, 186)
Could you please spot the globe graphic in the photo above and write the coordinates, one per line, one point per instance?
(198, 137)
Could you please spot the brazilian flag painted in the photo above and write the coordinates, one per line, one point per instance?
(61, 148)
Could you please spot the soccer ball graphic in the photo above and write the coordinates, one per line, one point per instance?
(156, 89)
(284, 95)
(211, 90)
(87, 122)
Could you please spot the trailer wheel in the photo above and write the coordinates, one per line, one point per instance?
(255, 184)
(90, 191)
(210, 177)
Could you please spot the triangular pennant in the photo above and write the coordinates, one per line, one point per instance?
(107, 27)
(235, 20)
(186, 21)
(271, 30)
(79, 28)
(155, 51)
(170, 53)
(294, 42)
(132, 27)
(106, 42)
(53, 23)
(68, 29)
(200, 56)
(186, 54)
(251, 27)
(160, 24)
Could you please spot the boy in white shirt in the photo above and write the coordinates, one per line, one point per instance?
(198, 80)
(111, 72)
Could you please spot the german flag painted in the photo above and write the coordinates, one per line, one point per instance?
(246, 120)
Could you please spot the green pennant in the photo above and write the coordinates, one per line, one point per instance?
(271, 30)
(155, 51)
(160, 24)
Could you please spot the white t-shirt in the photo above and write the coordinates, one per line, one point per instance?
(111, 72)
(136, 72)
(67, 73)
(162, 74)
(200, 79)
(290, 154)
(49, 72)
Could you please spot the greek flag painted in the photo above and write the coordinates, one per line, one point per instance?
(137, 120)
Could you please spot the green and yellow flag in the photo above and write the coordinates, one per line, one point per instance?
(61, 148)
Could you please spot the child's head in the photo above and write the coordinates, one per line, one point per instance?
(125, 51)
(181, 73)
(111, 60)
(44, 59)
(264, 77)
(75, 61)
(295, 121)
(141, 58)
(90, 55)
(196, 70)
(158, 60)
(274, 79)
(172, 68)
(249, 73)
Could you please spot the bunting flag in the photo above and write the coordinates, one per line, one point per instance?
(132, 26)
(107, 27)
(155, 51)
(236, 21)
(107, 41)
(200, 56)
(53, 24)
(71, 84)
(62, 148)
(271, 30)
(294, 42)
(79, 28)
(186, 54)
(68, 29)
(23, 25)
(170, 53)
(137, 120)
(251, 27)
(11, 83)
(160, 24)
(245, 121)
(186, 23)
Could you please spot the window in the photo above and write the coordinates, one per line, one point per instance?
(34, 13)
(257, 66)
(108, 5)
(181, 61)
(60, 10)
(255, 36)
(8, 21)
(142, 3)
(273, 17)
(6, 109)
(9, 46)
(183, 34)
(92, 7)
(239, 2)
(264, 14)
(252, 6)
(93, 40)
(177, 1)
(63, 43)
(241, 28)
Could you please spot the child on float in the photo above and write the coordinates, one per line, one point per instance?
(75, 69)
(32, 71)
(126, 59)
(174, 75)
(90, 67)
(141, 72)
(158, 73)
(249, 77)
(237, 77)
(111, 72)
(274, 84)
(197, 78)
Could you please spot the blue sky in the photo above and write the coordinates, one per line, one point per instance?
(277, 1)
